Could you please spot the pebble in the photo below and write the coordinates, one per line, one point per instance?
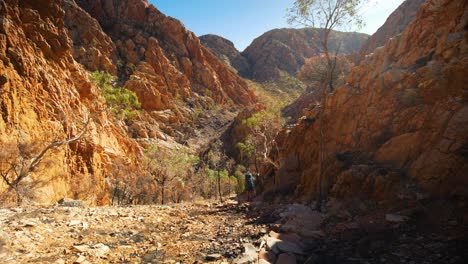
(79, 260)
(74, 223)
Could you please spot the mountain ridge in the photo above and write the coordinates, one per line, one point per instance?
(281, 52)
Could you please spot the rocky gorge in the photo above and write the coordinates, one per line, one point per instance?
(50, 45)
(391, 187)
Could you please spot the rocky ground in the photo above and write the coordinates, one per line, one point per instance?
(137, 234)
(210, 232)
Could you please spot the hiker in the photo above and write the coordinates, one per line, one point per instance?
(249, 185)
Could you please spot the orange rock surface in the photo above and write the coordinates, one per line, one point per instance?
(400, 120)
(45, 95)
(161, 59)
(47, 49)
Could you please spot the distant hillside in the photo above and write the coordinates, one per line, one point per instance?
(279, 52)
(284, 50)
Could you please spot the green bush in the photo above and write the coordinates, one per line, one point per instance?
(122, 102)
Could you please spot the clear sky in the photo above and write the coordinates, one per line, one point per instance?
(241, 21)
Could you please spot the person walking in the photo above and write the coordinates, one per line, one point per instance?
(249, 185)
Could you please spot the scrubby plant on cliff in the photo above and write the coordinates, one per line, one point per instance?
(259, 146)
(327, 15)
(122, 102)
(19, 159)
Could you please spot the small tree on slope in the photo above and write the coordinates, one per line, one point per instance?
(17, 161)
(327, 15)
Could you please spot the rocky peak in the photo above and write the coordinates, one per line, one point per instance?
(283, 51)
(224, 49)
(394, 25)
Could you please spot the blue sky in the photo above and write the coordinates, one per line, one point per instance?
(241, 21)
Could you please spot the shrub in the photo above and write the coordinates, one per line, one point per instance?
(122, 102)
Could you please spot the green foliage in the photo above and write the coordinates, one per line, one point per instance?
(122, 102)
(224, 174)
(120, 63)
(211, 174)
(254, 121)
(176, 163)
(246, 148)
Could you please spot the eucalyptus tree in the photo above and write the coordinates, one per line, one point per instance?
(327, 15)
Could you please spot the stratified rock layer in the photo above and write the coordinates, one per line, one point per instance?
(401, 119)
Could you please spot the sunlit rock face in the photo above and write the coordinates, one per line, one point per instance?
(224, 49)
(161, 59)
(398, 127)
(48, 48)
(46, 95)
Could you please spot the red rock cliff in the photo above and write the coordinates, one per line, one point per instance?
(160, 59)
(46, 50)
(401, 117)
(44, 95)
(394, 25)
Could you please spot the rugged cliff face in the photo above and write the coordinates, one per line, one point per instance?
(45, 95)
(399, 127)
(227, 53)
(395, 24)
(161, 60)
(283, 51)
(47, 49)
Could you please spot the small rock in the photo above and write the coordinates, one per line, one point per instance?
(250, 254)
(99, 250)
(213, 257)
(289, 247)
(271, 244)
(59, 261)
(79, 260)
(67, 202)
(29, 223)
(81, 248)
(262, 244)
(267, 256)
(74, 223)
(395, 218)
